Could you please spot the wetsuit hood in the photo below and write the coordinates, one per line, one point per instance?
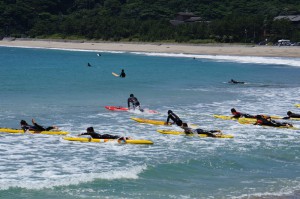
(23, 122)
(90, 129)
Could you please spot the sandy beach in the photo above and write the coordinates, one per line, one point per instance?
(217, 49)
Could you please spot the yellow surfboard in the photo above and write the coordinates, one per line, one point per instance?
(80, 139)
(172, 132)
(155, 122)
(297, 105)
(252, 121)
(9, 130)
(225, 117)
(147, 121)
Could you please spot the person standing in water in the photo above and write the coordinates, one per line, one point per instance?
(123, 75)
(135, 103)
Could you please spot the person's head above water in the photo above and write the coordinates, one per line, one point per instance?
(289, 113)
(259, 117)
(23, 122)
(90, 129)
(185, 125)
(131, 95)
(233, 110)
(169, 111)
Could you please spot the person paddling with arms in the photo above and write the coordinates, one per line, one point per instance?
(35, 127)
(291, 115)
(267, 121)
(91, 132)
(237, 114)
(211, 133)
(172, 116)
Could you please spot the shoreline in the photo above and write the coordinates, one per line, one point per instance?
(196, 49)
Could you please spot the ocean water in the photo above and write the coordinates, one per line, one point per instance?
(55, 87)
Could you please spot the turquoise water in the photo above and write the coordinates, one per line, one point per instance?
(57, 88)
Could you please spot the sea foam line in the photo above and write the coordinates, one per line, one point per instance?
(229, 58)
(64, 180)
(220, 58)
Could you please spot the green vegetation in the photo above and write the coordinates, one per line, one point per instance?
(228, 21)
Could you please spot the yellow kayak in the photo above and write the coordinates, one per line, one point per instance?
(252, 121)
(10, 130)
(79, 139)
(146, 121)
(172, 132)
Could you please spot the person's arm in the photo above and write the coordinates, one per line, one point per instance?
(215, 131)
(37, 126)
(128, 102)
(80, 134)
(25, 128)
(168, 119)
(167, 122)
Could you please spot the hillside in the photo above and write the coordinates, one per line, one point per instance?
(139, 20)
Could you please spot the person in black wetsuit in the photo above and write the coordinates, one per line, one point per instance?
(237, 114)
(235, 82)
(123, 75)
(266, 120)
(90, 131)
(174, 118)
(291, 115)
(135, 103)
(211, 133)
(35, 127)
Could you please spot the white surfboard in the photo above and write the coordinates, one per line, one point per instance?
(116, 75)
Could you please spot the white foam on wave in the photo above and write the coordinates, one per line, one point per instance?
(229, 58)
(288, 190)
(51, 180)
(240, 59)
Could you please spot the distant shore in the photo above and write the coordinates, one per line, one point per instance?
(197, 49)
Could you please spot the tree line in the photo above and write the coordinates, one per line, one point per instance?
(228, 21)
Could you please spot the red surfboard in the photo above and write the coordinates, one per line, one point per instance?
(120, 108)
(116, 108)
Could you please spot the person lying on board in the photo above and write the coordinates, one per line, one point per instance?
(211, 133)
(239, 114)
(135, 103)
(176, 120)
(90, 131)
(235, 82)
(35, 127)
(291, 115)
(266, 120)
(123, 75)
